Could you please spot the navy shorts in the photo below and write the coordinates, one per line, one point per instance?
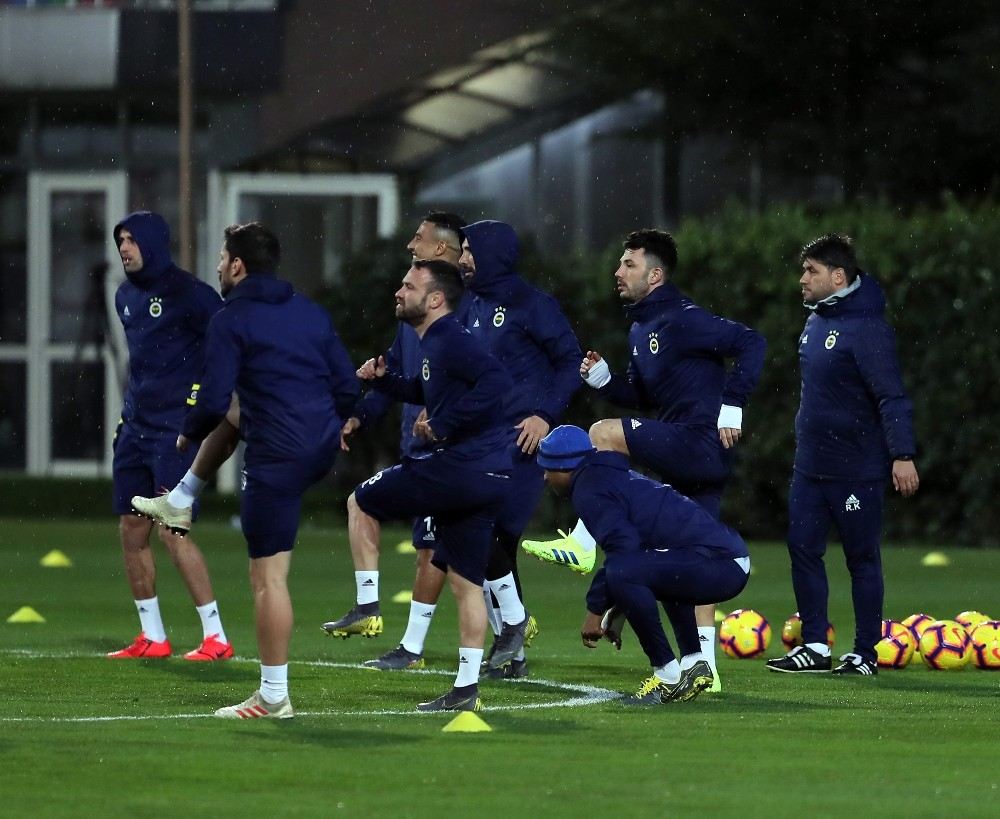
(146, 465)
(424, 533)
(463, 502)
(527, 483)
(691, 459)
(271, 501)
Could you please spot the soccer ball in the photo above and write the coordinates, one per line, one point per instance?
(971, 619)
(945, 645)
(744, 633)
(791, 632)
(986, 645)
(916, 623)
(895, 649)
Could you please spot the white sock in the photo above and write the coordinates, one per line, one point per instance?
(273, 682)
(669, 673)
(583, 537)
(468, 666)
(820, 648)
(505, 591)
(150, 620)
(184, 494)
(706, 636)
(688, 660)
(416, 628)
(211, 622)
(367, 583)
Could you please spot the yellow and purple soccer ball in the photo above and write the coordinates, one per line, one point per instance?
(791, 632)
(744, 633)
(895, 649)
(971, 619)
(986, 645)
(916, 623)
(945, 645)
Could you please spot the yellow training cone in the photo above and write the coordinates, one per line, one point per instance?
(405, 547)
(935, 559)
(56, 560)
(467, 722)
(402, 597)
(26, 614)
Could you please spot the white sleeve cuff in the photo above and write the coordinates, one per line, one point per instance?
(730, 417)
(598, 375)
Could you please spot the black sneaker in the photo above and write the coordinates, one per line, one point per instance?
(365, 620)
(799, 660)
(465, 698)
(399, 659)
(856, 664)
(509, 643)
(514, 670)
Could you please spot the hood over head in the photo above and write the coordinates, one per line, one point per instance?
(152, 235)
(494, 246)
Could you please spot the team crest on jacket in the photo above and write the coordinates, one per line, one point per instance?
(425, 370)
(831, 340)
(499, 316)
(155, 307)
(654, 343)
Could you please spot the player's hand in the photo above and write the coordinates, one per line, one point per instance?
(533, 429)
(589, 360)
(422, 429)
(905, 478)
(729, 436)
(351, 425)
(420, 425)
(372, 369)
(182, 443)
(591, 631)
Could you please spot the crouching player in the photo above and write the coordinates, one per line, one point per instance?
(659, 546)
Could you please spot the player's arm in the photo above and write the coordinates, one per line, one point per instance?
(487, 379)
(211, 398)
(552, 333)
(628, 391)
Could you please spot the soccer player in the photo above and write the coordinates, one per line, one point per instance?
(678, 368)
(526, 330)
(853, 430)
(280, 353)
(437, 237)
(165, 312)
(659, 546)
(464, 482)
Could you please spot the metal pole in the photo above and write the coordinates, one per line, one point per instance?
(185, 126)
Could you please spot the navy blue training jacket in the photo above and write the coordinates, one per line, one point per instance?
(462, 386)
(524, 328)
(677, 364)
(165, 312)
(281, 354)
(628, 512)
(854, 415)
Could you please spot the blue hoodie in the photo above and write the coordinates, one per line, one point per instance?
(281, 354)
(854, 416)
(165, 312)
(628, 512)
(678, 360)
(521, 326)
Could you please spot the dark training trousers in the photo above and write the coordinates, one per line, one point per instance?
(855, 507)
(680, 579)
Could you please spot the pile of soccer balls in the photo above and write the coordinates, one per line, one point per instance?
(942, 644)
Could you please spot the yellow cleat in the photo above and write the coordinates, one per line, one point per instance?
(565, 551)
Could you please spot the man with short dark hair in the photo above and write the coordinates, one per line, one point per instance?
(280, 353)
(464, 481)
(165, 312)
(853, 430)
(659, 547)
(677, 367)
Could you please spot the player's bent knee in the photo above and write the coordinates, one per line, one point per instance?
(608, 435)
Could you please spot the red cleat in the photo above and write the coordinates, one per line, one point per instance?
(210, 649)
(142, 649)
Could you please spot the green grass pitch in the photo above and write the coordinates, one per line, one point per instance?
(82, 736)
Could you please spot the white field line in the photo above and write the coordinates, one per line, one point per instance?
(585, 694)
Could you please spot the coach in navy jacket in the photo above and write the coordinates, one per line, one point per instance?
(853, 430)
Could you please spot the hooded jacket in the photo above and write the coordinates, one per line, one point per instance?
(165, 313)
(628, 512)
(281, 354)
(854, 415)
(521, 326)
(678, 360)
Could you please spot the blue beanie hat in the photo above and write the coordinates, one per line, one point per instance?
(564, 448)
